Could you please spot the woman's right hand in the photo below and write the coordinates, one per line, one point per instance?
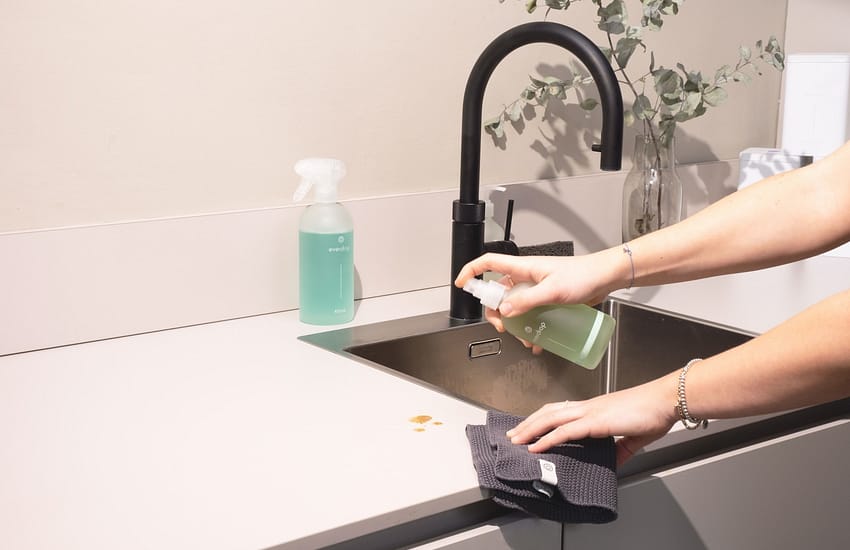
(557, 279)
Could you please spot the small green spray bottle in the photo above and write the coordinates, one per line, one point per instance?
(576, 332)
(325, 246)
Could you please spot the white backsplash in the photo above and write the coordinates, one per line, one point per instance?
(71, 285)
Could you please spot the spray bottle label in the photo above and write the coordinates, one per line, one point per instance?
(326, 277)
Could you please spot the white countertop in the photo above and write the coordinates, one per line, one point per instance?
(238, 435)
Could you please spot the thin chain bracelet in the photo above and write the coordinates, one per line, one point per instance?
(681, 407)
(628, 251)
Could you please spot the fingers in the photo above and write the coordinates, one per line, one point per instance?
(494, 318)
(542, 421)
(570, 431)
(501, 263)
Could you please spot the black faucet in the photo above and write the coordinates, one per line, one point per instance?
(468, 211)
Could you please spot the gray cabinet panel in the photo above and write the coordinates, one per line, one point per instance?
(789, 493)
(513, 532)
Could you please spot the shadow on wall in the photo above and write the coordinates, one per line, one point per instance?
(541, 203)
(566, 130)
(700, 190)
(567, 133)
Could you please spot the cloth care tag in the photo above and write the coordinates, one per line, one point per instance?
(548, 477)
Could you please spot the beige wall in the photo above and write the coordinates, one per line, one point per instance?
(818, 26)
(124, 110)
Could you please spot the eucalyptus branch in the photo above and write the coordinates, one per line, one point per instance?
(680, 94)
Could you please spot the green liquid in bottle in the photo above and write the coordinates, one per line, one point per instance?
(326, 277)
(577, 333)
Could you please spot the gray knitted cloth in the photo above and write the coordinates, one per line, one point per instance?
(571, 483)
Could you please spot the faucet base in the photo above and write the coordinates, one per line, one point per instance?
(467, 244)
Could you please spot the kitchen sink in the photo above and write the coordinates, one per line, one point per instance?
(475, 363)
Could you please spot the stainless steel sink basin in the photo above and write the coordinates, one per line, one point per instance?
(475, 363)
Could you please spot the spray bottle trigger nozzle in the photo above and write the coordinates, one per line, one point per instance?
(302, 189)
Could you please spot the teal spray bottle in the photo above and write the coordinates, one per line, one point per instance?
(325, 246)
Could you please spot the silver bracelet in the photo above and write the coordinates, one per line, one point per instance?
(681, 407)
(628, 251)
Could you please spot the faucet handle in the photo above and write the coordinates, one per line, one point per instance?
(509, 216)
(596, 147)
(506, 246)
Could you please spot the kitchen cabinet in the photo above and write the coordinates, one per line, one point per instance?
(789, 492)
(506, 533)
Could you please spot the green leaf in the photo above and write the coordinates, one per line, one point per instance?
(772, 45)
(693, 82)
(654, 10)
(714, 96)
(530, 6)
(692, 102)
(528, 93)
(537, 83)
(556, 90)
(494, 126)
(642, 107)
(542, 94)
(589, 104)
(514, 111)
(672, 100)
(668, 84)
(628, 117)
(721, 76)
(612, 17)
(745, 53)
(668, 130)
(741, 76)
(624, 50)
(682, 116)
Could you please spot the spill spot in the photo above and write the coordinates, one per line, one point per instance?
(423, 421)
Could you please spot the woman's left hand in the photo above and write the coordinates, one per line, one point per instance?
(638, 415)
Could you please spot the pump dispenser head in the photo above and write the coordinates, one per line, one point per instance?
(324, 173)
(490, 293)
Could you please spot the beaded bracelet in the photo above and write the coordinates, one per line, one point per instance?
(681, 407)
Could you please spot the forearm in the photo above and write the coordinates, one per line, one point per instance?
(783, 218)
(804, 361)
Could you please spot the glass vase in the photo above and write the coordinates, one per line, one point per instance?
(652, 192)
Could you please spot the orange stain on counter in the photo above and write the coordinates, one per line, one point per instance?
(421, 421)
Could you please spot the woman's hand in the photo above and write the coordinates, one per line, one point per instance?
(638, 415)
(556, 279)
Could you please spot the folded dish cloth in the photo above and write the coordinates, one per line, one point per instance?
(575, 482)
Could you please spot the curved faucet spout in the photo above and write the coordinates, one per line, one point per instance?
(468, 211)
